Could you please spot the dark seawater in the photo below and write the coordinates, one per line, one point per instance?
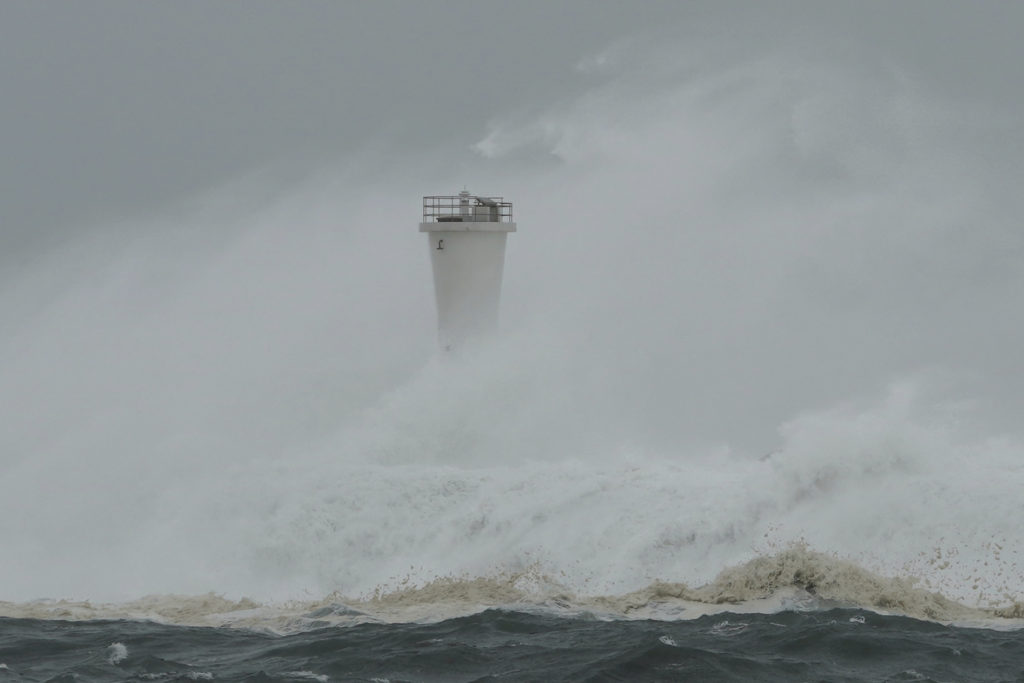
(835, 645)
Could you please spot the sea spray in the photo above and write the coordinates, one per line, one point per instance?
(796, 578)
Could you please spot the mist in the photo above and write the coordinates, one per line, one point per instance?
(729, 245)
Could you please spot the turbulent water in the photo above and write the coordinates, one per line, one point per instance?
(753, 415)
(832, 645)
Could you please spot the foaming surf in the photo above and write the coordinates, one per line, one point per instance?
(796, 579)
(873, 506)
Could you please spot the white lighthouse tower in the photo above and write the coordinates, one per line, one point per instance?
(466, 234)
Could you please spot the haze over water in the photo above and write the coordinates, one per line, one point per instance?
(766, 290)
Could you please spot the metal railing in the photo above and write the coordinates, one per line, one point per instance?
(466, 208)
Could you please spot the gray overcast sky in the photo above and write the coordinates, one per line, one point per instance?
(111, 108)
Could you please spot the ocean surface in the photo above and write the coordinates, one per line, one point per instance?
(828, 645)
(784, 617)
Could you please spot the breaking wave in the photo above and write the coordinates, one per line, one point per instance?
(795, 579)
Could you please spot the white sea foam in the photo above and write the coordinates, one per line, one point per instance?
(794, 579)
(322, 678)
(117, 653)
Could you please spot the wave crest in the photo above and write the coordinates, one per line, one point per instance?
(797, 578)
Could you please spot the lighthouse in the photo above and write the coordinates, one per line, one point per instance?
(466, 235)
